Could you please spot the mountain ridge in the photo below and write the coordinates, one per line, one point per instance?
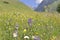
(41, 8)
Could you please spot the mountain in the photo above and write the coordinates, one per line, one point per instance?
(41, 6)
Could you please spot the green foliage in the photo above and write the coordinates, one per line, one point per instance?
(58, 8)
(47, 26)
(53, 6)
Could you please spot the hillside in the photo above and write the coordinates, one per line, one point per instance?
(41, 6)
(15, 17)
(13, 6)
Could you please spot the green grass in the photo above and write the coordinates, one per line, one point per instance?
(45, 25)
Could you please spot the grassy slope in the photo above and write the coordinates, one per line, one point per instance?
(47, 25)
(13, 6)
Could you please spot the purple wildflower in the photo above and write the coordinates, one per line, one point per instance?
(36, 37)
(30, 22)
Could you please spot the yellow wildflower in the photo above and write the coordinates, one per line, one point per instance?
(54, 37)
(24, 30)
(36, 32)
(38, 24)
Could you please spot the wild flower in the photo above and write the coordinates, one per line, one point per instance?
(24, 30)
(38, 24)
(35, 38)
(26, 37)
(30, 21)
(54, 37)
(36, 33)
(15, 34)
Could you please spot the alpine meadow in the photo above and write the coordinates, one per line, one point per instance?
(19, 22)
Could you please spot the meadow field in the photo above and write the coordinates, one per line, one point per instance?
(18, 22)
(45, 25)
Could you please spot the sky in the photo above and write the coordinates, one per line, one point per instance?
(31, 3)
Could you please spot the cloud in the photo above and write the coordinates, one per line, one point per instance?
(38, 1)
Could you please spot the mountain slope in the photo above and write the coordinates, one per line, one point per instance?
(13, 6)
(40, 7)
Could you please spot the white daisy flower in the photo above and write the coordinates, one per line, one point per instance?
(15, 34)
(26, 37)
